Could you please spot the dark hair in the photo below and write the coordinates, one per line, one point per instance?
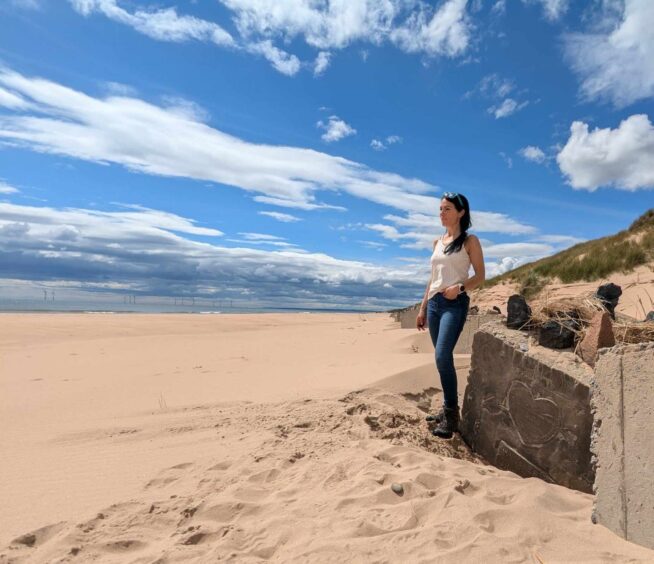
(460, 203)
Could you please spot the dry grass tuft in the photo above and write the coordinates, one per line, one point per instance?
(575, 314)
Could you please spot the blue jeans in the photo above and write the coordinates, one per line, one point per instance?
(446, 319)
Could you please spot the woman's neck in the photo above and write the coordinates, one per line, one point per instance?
(453, 232)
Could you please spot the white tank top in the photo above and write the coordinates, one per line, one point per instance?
(447, 270)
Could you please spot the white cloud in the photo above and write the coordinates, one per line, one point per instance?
(508, 160)
(281, 60)
(494, 86)
(321, 63)
(495, 268)
(533, 154)
(153, 140)
(553, 9)
(447, 32)
(378, 145)
(499, 7)
(413, 26)
(12, 100)
(335, 129)
(417, 230)
(143, 250)
(622, 157)
(283, 217)
(506, 108)
(7, 189)
(149, 139)
(163, 25)
(260, 237)
(119, 89)
(373, 245)
(616, 64)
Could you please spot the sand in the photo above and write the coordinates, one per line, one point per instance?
(245, 438)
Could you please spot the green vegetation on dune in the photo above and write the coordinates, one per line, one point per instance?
(588, 261)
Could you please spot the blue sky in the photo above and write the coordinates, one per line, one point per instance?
(293, 152)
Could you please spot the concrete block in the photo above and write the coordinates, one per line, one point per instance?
(527, 408)
(623, 441)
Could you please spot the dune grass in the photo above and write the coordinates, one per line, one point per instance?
(592, 260)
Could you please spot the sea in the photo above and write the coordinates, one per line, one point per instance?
(151, 305)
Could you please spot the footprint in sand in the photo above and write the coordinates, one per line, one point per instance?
(39, 536)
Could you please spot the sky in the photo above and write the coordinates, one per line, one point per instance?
(292, 153)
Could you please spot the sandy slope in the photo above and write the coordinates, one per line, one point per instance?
(636, 301)
(211, 477)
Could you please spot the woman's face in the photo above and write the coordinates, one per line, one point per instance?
(449, 216)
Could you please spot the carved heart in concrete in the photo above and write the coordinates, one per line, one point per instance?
(537, 420)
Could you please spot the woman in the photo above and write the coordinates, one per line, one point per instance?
(445, 304)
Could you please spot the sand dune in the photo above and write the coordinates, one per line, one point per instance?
(306, 479)
(636, 301)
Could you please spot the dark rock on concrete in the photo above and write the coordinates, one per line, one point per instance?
(529, 411)
(558, 334)
(518, 312)
(609, 294)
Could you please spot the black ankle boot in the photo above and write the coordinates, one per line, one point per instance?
(436, 418)
(449, 424)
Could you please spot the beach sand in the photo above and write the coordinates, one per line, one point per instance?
(245, 438)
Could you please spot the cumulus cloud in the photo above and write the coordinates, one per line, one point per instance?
(533, 154)
(149, 252)
(321, 63)
(621, 157)
(335, 129)
(495, 268)
(615, 63)
(283, 217)
(414, 27)
(508, 107)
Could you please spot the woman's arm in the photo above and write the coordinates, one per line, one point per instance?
(422, 312)
(473, 246)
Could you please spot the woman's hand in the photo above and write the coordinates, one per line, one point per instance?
(420, 320)
(451, 292)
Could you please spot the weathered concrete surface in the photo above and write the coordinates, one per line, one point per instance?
(623, 441)
(527, 408)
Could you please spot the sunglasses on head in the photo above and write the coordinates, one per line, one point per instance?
(452, 195)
